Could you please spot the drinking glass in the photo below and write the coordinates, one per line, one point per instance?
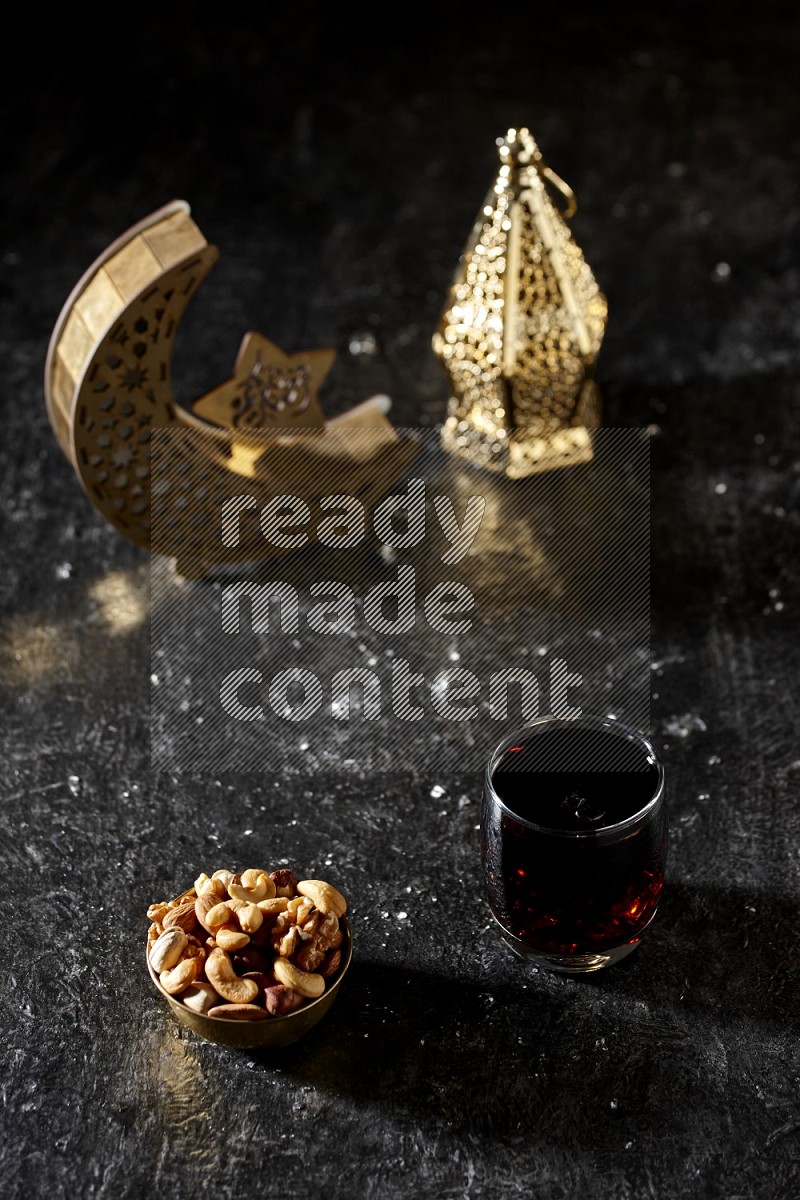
(574, 840)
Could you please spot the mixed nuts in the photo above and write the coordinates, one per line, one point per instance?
(249, 946)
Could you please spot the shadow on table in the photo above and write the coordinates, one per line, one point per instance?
(645, 1039)
(716, 951)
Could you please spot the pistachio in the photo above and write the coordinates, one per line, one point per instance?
(167, 949)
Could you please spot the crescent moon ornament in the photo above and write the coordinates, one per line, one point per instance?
(522, 327)
(160, 473)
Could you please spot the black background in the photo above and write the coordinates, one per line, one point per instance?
(337, 156)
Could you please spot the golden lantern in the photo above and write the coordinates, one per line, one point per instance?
(522, 327)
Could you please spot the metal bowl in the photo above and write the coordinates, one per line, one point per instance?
(266, 1034)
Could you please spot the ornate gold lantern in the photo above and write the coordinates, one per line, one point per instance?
(522, 327)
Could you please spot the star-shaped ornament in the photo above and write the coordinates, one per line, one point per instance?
(270, 393)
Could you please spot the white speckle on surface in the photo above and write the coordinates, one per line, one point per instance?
(714, 760)
(63, 570)
(614, 1104)
(437, 791)
(721, 272)
(74, 784)
(720, 488)
(402, 915)
(154, 680)
(683, 726)
(247, 833)
(362, 343)
(454, 656)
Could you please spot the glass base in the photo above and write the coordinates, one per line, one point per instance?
(570, 964)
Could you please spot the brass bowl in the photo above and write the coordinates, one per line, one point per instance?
(265, 1034)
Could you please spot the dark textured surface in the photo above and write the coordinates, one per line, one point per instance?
(339, 168)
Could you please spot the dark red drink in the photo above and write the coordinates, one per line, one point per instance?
(574, 840)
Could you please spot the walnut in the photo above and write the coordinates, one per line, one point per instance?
(285, 883)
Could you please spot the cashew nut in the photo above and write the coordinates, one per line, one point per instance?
(223, 978)
(224, 877)
(251, 886)
(228, 937)
(220, 914)
(250, 918)
(186, 972)
(306, 984)
(324, 896)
